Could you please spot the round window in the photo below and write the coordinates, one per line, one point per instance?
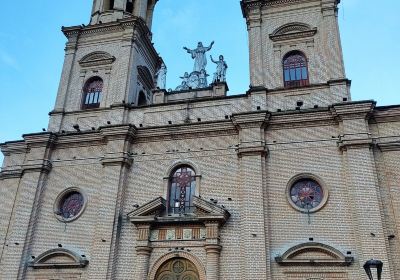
(307, 195)
(69, 205)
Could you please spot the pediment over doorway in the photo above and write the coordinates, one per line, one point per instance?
(312, 254)
(155, 212)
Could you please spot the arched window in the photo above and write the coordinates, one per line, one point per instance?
(182, 187)
(92, 93)
(129, 6)
(295, 70)
(142, 100)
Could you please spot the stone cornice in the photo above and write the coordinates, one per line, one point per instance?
(44, 166)
(248, 5)
(182, 131)
(11, 174)
(353, 110)
(301, 118)
(116, 132)
(251, 119)
(386, 114)
(355, 141)
(294, 35)
(44, 139)
(388, 144)
(14, 147)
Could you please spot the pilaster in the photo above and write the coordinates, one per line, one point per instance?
(252, 152)
(362, 181)
(116, 164)
(26, 207)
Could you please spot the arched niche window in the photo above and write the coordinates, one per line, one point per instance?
(142, 100)
(92, 92)
(129, 6)
(295, 69)
(181, 189)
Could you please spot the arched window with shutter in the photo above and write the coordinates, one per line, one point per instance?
(92, 93)
(295, 70)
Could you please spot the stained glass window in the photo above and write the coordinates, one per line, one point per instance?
(71, 205)
(306, 194)
(182, 186)
(92, 93)
(295, 70)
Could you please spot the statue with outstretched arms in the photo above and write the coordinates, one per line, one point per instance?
(199, 56)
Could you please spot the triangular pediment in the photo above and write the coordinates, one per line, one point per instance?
(155, 212)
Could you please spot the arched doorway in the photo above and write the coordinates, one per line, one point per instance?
(177, 269)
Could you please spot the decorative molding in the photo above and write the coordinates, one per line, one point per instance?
(292, 31)
(151, 213)
(96, 59)
(389, 146)
(11, 174)
(47, 260)
(299, 255)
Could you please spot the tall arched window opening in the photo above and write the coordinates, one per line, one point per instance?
(142, 100)
(182, 187)
(295, 70)
(92, 92)
(129, 6)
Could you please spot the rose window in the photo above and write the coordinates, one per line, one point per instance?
(306, 194)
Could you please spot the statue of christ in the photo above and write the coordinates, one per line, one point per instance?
(199, 56)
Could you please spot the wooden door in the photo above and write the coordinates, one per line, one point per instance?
(177, 269)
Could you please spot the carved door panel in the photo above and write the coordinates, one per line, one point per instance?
(177, 269)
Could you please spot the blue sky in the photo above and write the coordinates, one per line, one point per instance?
(32, 50)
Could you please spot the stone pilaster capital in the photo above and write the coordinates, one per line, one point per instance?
(144, 250)
(213, 248)
(251, 120)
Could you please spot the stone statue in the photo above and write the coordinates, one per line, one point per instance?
(199, 56)
(185, 80)
(162, 76)
(203, 79)
(220, 75)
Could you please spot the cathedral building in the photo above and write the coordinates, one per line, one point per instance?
(291, 180)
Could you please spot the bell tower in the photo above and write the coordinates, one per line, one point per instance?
(111, 10)
(110, 66)
(294, 46)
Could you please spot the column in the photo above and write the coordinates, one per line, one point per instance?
(252, 152)
(362, 182)
(143, 252)
(213, 250)
(116, 165)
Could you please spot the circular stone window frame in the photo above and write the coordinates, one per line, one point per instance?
(315, 178)
(59, 199)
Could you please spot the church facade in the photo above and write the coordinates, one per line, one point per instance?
(292, 180)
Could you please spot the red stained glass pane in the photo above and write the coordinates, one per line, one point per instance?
(71, 205)
(306, 194)
(181, 190)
